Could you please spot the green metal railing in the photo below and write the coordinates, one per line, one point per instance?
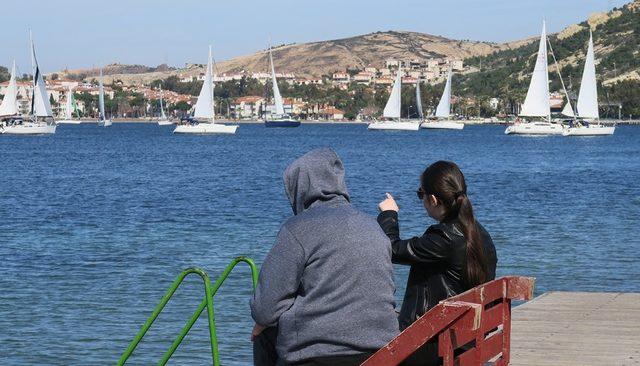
(207, 302)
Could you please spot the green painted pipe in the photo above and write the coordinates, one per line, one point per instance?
(203, 304)
(207, 302)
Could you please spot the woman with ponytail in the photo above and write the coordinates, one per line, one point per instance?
(449, 258)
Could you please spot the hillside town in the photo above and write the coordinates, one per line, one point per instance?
(141, 99)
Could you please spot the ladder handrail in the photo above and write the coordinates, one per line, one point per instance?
(210, 291)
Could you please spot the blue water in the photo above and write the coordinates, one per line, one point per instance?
(95, 223)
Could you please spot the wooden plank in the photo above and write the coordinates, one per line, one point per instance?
(577, 328)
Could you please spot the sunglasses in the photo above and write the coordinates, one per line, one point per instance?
(420, 192)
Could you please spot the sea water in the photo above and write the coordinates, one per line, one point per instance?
(95, 223)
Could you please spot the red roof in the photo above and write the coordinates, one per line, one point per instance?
(248, 99)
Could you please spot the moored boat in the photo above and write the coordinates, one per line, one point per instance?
(203, 120)
(279, 118)
(588, 130)
(443, 111)
(534, 128)
(587, 106)
(70, 107)
(102, 117)
(163, 121)
(536, 103)
(392, 111)
(40, 119)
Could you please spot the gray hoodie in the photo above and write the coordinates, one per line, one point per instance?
(328, 280)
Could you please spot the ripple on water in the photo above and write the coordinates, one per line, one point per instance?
(96, 223)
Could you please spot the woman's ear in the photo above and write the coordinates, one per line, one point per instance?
(433, 201)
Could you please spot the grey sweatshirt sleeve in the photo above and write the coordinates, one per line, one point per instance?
(279, 279)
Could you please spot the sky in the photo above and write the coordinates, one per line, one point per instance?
(85, 33)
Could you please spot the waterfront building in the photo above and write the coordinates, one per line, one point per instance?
(341, 77)
(331, 114)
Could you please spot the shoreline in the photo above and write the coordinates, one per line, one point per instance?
(318, 122)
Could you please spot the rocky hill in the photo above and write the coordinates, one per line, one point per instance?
(322, 58)
(318, 58)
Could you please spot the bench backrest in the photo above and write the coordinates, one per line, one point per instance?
(473, 328)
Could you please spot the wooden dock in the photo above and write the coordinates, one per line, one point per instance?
(577, 328)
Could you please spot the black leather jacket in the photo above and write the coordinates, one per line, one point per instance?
(437, 260)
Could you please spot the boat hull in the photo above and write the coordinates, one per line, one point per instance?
(282, 123)
(443, 125)
(591, 130)
(105, 123)
(534, 128)
(29, 129)
(394, 126)
(205, 129)
(164, 122)
(69, 122)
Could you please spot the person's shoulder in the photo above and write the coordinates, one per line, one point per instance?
(446, 230)
(342, 213)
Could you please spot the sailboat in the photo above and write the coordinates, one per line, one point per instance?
(443, 111)
(102, 117)
(587, 106)
(70, 107)
(40, 120)
(419, 101)
(536, 103)
(203, 120)
(9, 113)
(163, 121)
(279, 118)
(392, 110)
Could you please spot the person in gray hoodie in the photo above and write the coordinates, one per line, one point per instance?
(325, 294)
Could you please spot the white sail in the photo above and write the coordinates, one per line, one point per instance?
(277, 98)
(162, 115)
(9, 106)
(40, 106)
(587, 106)
(419, 100)
(567, 110)
(444, 106)
(69, 105)
(204, 105)
(102, 116)
(392, 109)
(537, 104)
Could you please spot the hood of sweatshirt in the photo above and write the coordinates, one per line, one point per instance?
(314, 178)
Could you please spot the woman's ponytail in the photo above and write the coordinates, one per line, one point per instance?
(444, 180)
(476, 260)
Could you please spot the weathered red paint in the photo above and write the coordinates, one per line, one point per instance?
(482, 314)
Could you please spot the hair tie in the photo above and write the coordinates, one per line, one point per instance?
(460, 193)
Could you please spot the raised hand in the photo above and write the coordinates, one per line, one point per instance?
(388, 204)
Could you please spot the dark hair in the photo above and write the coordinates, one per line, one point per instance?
(445, 181)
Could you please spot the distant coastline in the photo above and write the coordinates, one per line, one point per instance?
(317, 122)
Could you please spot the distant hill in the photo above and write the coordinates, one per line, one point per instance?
(113, 69)
(616, 35)
(318, 58)
(326, 57)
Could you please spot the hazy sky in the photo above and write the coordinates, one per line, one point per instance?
(82, 33)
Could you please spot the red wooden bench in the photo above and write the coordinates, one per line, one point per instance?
(473, 328)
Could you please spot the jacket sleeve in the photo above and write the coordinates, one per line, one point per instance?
(432, 247)
(279, 279)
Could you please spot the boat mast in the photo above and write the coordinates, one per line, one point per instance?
(566, 94)
(210, 71)
(34, 70)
